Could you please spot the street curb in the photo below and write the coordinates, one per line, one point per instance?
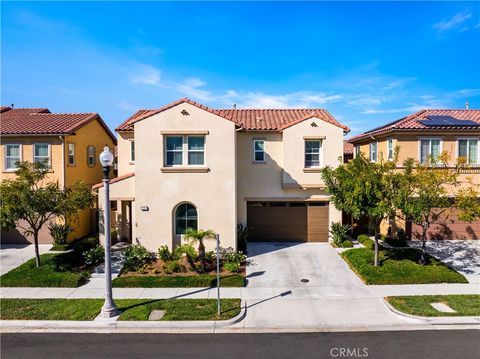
(107, 324)
(458, 320)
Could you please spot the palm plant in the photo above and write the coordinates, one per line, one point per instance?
(199, 235)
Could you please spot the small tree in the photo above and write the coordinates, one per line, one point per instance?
(199, 235)
(432, 190)
(30, 199)
(364, 188)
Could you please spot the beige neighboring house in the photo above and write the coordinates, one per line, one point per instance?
(189, 166)
(428, 133)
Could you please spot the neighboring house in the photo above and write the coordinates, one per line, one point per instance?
(189, 166)
(428, 133)
(70, 142)
(347, 151)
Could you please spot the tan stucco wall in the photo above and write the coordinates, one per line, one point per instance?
(264, 181)
(213, 193)
(123, 150)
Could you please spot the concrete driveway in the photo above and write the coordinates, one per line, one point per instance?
(297, 265)
(12, 255)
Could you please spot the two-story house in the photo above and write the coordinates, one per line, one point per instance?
(69, 142)
(428, 133)
(189, 166)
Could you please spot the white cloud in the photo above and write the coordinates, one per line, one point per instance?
(453, 22)
(146, 75)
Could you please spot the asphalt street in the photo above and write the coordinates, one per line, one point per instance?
(451, 344)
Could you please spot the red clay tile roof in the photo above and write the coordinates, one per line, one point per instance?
(410, 122)
(347, 148)
(114, 180)
(246, 119)
(40, 121)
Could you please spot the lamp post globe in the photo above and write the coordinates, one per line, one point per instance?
(109, 308)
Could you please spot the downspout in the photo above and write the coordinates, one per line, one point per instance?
(62, 138)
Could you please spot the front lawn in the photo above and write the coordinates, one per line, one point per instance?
(50, 309)
(132, 309)
(56, 269)
(200, 281)
(399, 266)
(464, 305)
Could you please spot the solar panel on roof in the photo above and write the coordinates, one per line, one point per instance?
(448, 121)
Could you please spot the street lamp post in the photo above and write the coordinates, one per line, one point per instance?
(109, 308)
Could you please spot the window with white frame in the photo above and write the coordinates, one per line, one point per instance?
(186, 217)
(390, 149)
(430, 149)
(41, 153)
(71, 154)
(91, 156)
(258, 150)
(132, 151)
(357, 150)
(469, 150)
(373, 151)
(196, 150)
(312, 153)
(13, 155)
(185, 150)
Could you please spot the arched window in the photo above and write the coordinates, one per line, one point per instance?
(185, 217)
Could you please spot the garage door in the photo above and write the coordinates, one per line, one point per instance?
(288, 221)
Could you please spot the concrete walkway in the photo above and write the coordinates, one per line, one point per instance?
(13, 255)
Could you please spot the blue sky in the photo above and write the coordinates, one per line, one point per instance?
(367, 63)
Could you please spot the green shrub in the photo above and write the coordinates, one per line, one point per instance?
(164, 253)
(338, 232)
(232, 267)
(229, 255)
(82, 245)
(113, 235)
(186, 249)
(94, 256)
(363, 237)
(347, 244)
(210, 256)
(399, 240)
(173, 266)
(243, 232)
(59, 233)
(135, 257)
(369, 244)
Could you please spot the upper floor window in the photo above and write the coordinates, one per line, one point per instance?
(91, 156)
(356, 150)
(390, 149)
(258, 150)
(373, 152)
(196, 150)
(71, 154)
(430, 148)
(468, 149)
(132, 151)
(41, 153)
(188, 150)
(13, 155)
(312, 153)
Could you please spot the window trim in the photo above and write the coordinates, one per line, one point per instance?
(74, 154)
(176, 208)
(356, 150)
(254, 141)
(132, 147)
(49, 152)
(320, 152)
(5, 156)
(390, 140)
(370, 151)
(94, 156)
(185, 151)
(420, 139)
(457, 152)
